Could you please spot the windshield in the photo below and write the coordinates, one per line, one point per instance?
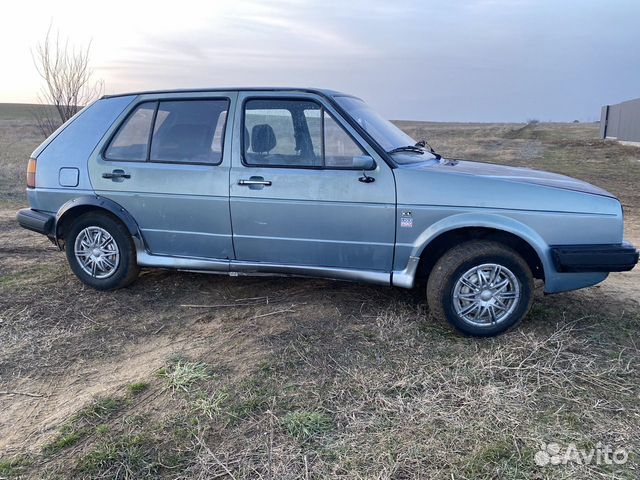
(383, 131)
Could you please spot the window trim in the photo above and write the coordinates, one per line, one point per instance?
(323, 109)
(114, 134)
(157, 101)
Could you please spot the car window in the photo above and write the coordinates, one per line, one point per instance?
(313, 117)
(277, 133)
(295, 133)
(218, 134)
(132, 140)
(189, 131)
(339, 147)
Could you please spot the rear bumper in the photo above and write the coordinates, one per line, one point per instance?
(36, 221)
(594, 258)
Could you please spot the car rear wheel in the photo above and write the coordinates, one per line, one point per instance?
(101, 252)
(481, 287)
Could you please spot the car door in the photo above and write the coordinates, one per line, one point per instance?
(167, 163)
(298, 196)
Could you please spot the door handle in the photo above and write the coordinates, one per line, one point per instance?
(116, 175)
(255, 181)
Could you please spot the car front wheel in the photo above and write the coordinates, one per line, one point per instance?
(101, 252)
(481, 287)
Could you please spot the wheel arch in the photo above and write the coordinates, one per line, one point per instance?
(81, 205)
(443, 235)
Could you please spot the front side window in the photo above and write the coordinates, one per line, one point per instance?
(339, 148)
(277, 133)
(295, 133)
(181, 131)
(132, 140)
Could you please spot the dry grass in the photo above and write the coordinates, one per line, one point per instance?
(352, 382)
(19, 135)
(182, 375)
(403, 402)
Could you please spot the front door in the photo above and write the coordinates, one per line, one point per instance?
(298, 195)
(168, 165)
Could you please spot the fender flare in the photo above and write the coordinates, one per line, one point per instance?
(485, 220)
(101, 203)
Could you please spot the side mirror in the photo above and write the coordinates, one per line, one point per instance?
(364, 162)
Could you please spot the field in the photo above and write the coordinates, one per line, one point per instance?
(187, 375)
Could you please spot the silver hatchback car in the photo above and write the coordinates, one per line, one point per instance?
(311, 182)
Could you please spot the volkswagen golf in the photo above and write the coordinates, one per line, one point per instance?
(310, 182)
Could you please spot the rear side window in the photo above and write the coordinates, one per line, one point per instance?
(189, 131)
(184, 131)
(132, 140)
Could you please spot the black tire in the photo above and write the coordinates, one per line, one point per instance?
(127, 269)
(460, 259)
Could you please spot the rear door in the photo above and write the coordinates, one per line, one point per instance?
(297, 194)
(167, 163)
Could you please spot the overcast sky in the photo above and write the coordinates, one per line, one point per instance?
(454, 60)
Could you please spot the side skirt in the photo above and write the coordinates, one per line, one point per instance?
(235, 268)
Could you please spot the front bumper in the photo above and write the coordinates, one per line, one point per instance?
(36, 221)
(594, 258)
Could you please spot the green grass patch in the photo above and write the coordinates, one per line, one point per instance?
(68, 436)
(102, 429)
(257, 393)
(501, 459)
(144, 447)
(102, 408)
(306, 424)
(182, 375)
(138, 387)
(128, 456)
(210, 405)
(85, 421)
(13, 467)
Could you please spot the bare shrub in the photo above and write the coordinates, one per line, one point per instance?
(68, 81)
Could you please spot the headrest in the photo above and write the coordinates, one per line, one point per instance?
(183, 138)
(262, 138)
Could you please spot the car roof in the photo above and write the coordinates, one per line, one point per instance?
(320, 91)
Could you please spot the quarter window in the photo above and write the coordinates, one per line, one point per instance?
(295, 133)
(132, 140)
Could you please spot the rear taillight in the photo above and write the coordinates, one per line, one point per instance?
(31, 173)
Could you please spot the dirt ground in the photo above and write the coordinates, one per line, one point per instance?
(307, 378)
